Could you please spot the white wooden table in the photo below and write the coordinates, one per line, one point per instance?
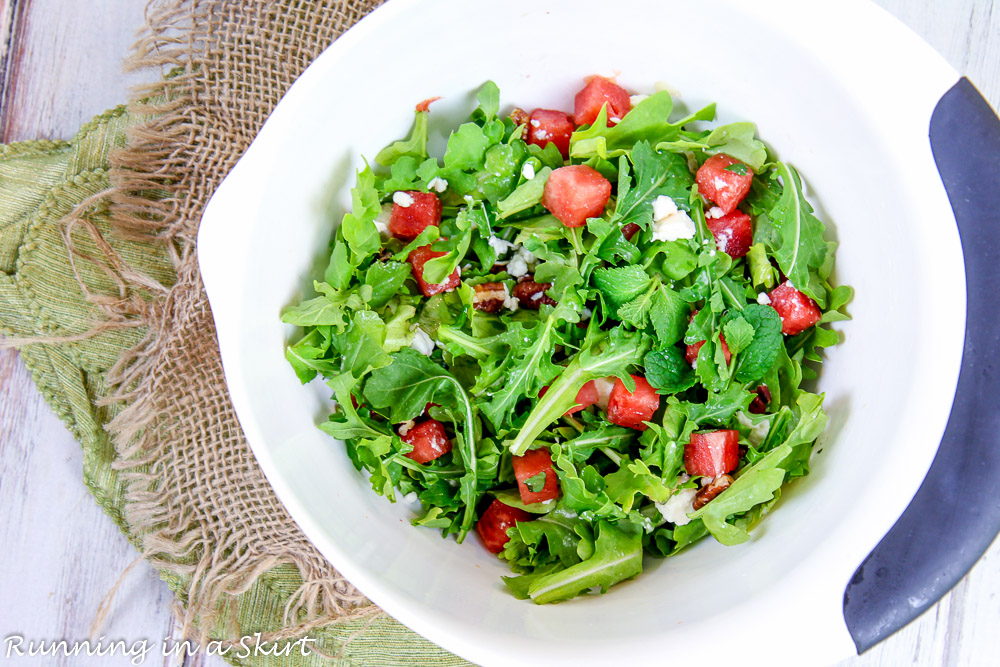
(60, 65)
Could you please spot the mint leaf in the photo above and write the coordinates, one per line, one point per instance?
(619, 285)
(669, 315)
(739, 333)
(535, 483)
(762, 351)
(668, 371)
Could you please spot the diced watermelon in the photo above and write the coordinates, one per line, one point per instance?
(798, 312)
(547, 126)
(713, 453)
(586, 397)
(428, 439)
(598, 92)
(724, 181)
(733, 233)
(575, 193)
(495, 522)
(420, 256)
(406, 222)
(631, 409)
(533, 463)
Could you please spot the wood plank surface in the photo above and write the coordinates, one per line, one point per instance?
(59, 66)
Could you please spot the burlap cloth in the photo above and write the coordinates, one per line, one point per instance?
(98, 269)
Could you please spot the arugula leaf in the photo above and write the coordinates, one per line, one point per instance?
(489, 102)
(386, 279)
(801, 246)
(406, 386)
(668, 371)
(360, 347)
(525, 196)
(557, 529)
(757, 484)
(648, 121)
(608, 354)
(430, 234)
(317, 311)
(358, 226)
(656, 174)
(617, 556)
(466, 147)
(535, 483)
(415, 146)
(635, 478)
(761, 272)
(762, 350)
(737, 141)
(437, 270)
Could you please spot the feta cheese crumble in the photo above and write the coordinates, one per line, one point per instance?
(509, 302)
(758, 432)
(604, 387)
(636, 99)
(714, 212)
(421, 342)
(517, 267)
(763, 299)
(405, 427)
(670, 223)
(678, 506)
(586, 314)
(382, 221)
(438, 184)
(403, 199)
(528, 171)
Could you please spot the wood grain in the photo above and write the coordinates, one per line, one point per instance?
(60, 65)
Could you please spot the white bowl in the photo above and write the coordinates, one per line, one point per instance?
(840, 90)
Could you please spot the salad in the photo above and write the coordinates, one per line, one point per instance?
(581, 337)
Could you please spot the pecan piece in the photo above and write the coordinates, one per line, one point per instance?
(532, 295)
(630, 230)
(710, 491)
(519, 116)
(489, 297)
(758, 405)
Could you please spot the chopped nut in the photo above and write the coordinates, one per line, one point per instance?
(758, 405)
(519, 116)
(532, 295)
(709, 492)
(489, 297)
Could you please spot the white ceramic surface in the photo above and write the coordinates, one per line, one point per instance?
(844, 92)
